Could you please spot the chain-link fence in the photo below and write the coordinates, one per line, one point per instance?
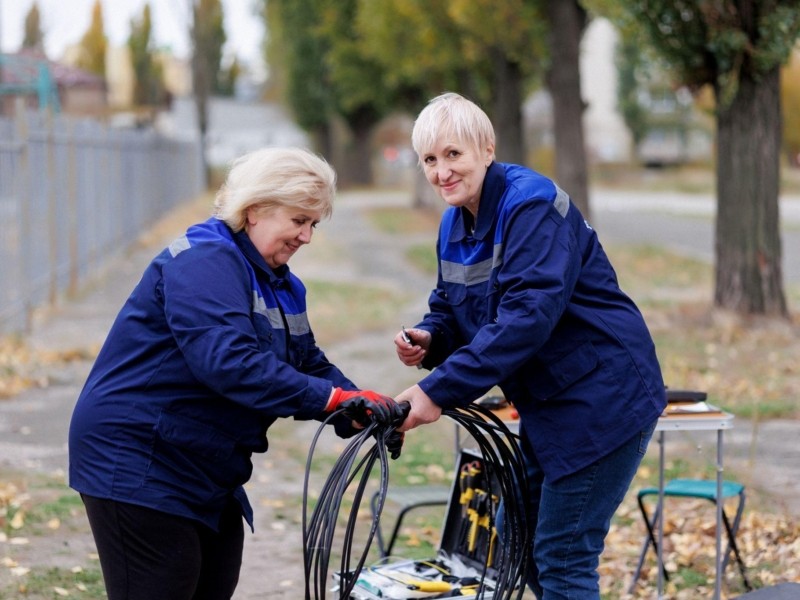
(74, 193)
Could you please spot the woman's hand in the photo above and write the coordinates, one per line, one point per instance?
(412, 346)
(423, 409)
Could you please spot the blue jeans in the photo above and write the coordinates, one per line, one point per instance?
(571, 517)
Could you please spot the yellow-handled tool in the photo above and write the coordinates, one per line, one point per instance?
(430, 586)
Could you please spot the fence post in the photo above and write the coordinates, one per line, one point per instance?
(23, 194)
(72, 201)
(52, 211)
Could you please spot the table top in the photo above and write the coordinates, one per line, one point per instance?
(714, 419)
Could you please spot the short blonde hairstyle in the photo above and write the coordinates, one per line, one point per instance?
(451, 116)
(273, 177)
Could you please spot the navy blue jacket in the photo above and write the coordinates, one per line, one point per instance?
(530, 302)
(208, 351)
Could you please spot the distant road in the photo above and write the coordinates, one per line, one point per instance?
(683, 223)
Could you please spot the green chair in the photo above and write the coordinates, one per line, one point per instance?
(693, 488)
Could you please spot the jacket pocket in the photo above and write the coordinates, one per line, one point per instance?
(455, 293)
(195, 436)
(552, 376)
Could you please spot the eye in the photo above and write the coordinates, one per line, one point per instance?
(453, 154)
(429, 160)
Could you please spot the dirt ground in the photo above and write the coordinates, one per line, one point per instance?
(33, 423)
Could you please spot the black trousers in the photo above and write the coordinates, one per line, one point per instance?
(150, 555)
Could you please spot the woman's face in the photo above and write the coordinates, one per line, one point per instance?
(278, 233)
(456, 171)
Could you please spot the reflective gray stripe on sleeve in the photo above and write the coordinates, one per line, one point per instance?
(273, 315)
(179, 245)
(561, 202)
(298, 324)
(497, 256)
(259, 306)
(467, 274)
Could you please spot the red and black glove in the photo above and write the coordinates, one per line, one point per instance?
(364, 406)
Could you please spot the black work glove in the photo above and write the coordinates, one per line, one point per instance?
(394, 441)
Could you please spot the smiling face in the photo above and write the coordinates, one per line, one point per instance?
(277, 233)
(456, 171)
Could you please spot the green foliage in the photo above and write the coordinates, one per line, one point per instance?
(34, 38)
(226, 80)
(426, 48)
(790, 102)
(148, 86)
(629, 63)
(713, 42)
(362, 58)
(361, 96)
(94, 44)
(208, 38)
(297, 51)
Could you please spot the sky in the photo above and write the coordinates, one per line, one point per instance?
(65, 21)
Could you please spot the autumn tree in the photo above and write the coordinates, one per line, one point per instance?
(227, 77)
(34, 38)
(148, 86)
(420, 47)
(790, 101)
(207, 35)
(359, 91)
(736, 47)
(296, 54)
(566, 23)
(487, 50)
(94, 44)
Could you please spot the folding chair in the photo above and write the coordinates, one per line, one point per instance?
(408, 499)
(693, 488)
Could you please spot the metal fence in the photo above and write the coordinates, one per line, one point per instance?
(73, 194)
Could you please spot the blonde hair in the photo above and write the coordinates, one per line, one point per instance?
(450, 115)
(273, 177)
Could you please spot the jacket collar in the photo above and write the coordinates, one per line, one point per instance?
(247, 248)
(494, 184)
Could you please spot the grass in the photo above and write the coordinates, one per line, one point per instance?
(48, 583)
(342, 310)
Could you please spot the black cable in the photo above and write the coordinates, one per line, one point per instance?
(503, 465)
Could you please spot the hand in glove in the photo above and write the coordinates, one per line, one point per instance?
(365, 405)
(394, 443)
(394, 440)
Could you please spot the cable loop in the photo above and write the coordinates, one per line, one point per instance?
(503, 464)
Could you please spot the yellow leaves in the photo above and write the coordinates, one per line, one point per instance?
(22, 367)
(18, 520)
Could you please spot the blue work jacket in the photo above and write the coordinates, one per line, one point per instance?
(529, 301)
(208, 351)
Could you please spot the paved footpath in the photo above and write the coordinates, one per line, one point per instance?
(33, 426)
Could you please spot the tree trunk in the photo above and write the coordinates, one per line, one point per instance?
(566, 20)
(357, 159)
(507, 110)
(749, 278)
